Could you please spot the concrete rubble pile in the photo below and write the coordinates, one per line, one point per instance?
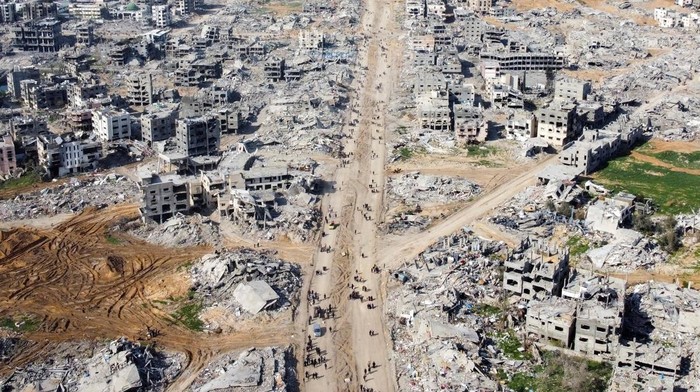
(405, 223)
(17, 173)
(625, 255)
(416, 188)
(223, 280)
(253, 370)
(10, 346)
(525, 214)
(440, 338)
(71, 197)
(121, 366)
(309, 123)
(178, 231)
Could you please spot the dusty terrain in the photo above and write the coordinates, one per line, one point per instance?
(84, 287)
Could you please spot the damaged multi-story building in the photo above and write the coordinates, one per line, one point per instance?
(469, 124)
(110, 124)
(558, 124)
(552, 320)
(68, 153)
(274, 69)
(198, 136)
(40, 96)
(167, 195)
(139, 89)
(536, 270)
(193, 71)
(8, 156)
(161, 16)
(79, 120)
(84, 89)
(434, 111)
(594, 148)
(17, 75)
(599, 310)
(158, 125)
(42, 36)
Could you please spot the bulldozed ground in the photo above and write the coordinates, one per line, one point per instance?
(78, 281)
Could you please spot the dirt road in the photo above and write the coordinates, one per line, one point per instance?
(356, 205)
(398, 249)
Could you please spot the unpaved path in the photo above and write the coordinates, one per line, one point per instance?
(356, 205)
(398, 249)
(657, 162)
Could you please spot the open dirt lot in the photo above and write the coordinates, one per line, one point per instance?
(83, 286)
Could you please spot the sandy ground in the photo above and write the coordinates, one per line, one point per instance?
(38, 223)
(83, 287)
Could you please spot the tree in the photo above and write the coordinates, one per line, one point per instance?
(642, 223)
(564, 209)
(549, 205)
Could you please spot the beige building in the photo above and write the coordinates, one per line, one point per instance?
(557, 125)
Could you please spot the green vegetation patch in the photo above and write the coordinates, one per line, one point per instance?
(112, 239)
(481, 151)
(561, 372)
(25, 180)
(188, 316)
(486, 310)
(510, 345)
(577, 245)
(674, 192)
(679, 159)
(20, 324)
(405, 153)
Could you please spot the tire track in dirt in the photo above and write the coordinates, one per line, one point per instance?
(66, 278)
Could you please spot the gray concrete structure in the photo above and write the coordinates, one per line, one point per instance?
(198, 136)
(139, 89)
(158, 126)
(553, 320)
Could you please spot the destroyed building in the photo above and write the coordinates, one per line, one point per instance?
(193, 71)
(558, 125)
(596, 147)
(140, 89)
(167, 195)
(8, 12)
(17, 75)
(255, 296)
(79, 120)
(158, 126)
(469, 124)
(600, 307)
(8, 157)
(42, 36)
(553, 320)
(85, 89)
(609, 214)
(85, 35)
(198, 136)
(537, 269)
(68, 154)
(40, 96)
(660, 336)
